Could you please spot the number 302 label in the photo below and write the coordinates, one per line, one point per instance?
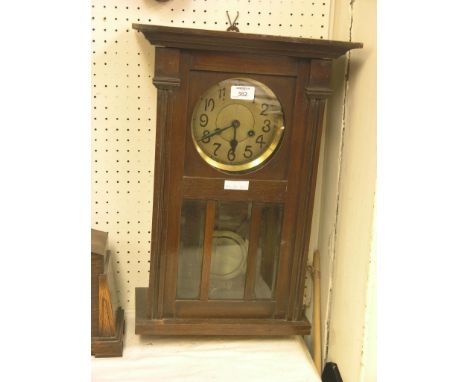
(243, 92)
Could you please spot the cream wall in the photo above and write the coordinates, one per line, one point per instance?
(369, 356)
(347, 205)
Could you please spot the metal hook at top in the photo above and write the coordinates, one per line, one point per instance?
(232, 26)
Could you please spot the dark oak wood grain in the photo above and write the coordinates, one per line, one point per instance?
(206, 267)
(167, 82)
(259, 190)
(224, 309)
(213, 326)
(199, 39)
(110, 346)
(249, 292)
(298, 72)
(173, 206)
(251, 63)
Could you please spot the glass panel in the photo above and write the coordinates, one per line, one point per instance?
(229, 251)
(191, 249)
(268, 250)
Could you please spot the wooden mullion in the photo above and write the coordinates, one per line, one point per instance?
(249, 292)
(207, 249)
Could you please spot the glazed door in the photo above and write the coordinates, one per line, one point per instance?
(228, 259)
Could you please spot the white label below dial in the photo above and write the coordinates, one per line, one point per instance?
(243, 92)
(236, 185)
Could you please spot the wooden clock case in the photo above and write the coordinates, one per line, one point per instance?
(187, 63)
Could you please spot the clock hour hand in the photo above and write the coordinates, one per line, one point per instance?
(234, 141)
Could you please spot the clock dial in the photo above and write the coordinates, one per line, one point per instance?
(237, 124)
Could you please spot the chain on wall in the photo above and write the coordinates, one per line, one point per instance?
(124, 108)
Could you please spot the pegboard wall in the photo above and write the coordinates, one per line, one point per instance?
(124, 108)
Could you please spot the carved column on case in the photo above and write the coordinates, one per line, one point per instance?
(317, 92)
(167, 81)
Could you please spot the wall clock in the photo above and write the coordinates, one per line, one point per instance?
(239, 121)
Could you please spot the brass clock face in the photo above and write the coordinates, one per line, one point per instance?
(237, 124)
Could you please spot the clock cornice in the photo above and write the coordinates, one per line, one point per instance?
(201, 39)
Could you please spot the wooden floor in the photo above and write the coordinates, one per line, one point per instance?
(196, 358)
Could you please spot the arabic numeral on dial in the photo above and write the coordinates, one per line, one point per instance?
(260, 141)
(217, 146)
(265, 108)
(221, 93)
(231, 155)
(207, 139)
(203, 120)
(248, 152)
(209, 104)
(266, 126)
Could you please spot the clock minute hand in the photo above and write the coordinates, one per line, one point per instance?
(215, 132)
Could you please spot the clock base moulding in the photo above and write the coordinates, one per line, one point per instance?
(213, 326)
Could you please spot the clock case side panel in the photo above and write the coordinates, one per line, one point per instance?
(291, 202)
(316, 91)
(167, 81)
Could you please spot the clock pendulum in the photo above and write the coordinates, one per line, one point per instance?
(239, 122)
